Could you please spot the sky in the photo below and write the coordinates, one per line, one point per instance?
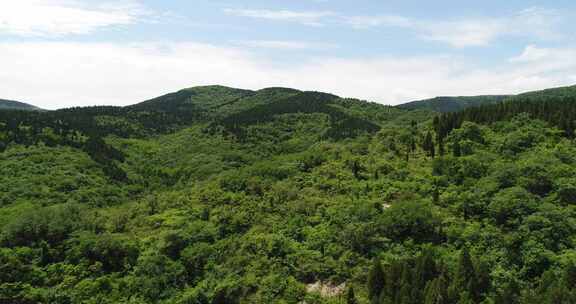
(63, 53)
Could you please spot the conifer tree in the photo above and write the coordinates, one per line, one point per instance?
(456, 149)
(436, 291)
(483, 280)
(376, 280)
(570, 276)
(428, 145)
(426, 269)
(393, 279)
(465, 277)
(350, 296)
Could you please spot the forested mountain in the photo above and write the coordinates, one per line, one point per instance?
(556, 106)
(16, 105)
(446, 104)
(221, 195)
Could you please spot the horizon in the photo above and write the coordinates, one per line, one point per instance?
(58, 54)
(255, 90)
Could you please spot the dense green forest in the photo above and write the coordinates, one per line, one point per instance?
(446, 104)
(220, 195)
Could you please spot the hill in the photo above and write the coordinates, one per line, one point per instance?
(452, 104)
(16, 105)
(557, 106)
(222, 195)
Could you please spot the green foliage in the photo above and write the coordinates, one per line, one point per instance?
(412, 220)
(452, 104)
(218, 195)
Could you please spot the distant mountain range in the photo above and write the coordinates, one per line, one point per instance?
(222, 100)
(16, 105)
(446, 104)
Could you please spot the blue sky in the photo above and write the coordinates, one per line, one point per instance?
(61, 53)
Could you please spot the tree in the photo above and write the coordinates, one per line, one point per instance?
(428, 145)
(426, 268)
(510, 294)
(350, 296)
(376, 280)
(465, 278)
(436, 291)
(456, 149)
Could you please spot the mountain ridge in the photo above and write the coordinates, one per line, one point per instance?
(445, 104)
(6, 104)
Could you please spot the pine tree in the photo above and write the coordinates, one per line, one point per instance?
(465, 277)
(350, 296)
(456, 149)
(426, 269)
(428, 144)
(570, 276)
(45, 256)
(409, 291)
(483, 280)
(394, 280)
(376, 280)
(436, 291)
(405, 295)
(441, 149)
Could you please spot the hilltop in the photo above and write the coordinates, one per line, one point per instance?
(16, 105)
(452, 104)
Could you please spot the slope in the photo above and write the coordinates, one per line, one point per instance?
(16, 105)
(206, 216)
(557, 106)
(452, 104)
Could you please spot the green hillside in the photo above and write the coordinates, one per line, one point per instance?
(220, 195)
(452, 104)
(16, 105)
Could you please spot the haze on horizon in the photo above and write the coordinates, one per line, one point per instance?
(62, 53)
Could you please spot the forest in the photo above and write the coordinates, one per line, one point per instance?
(215, 195)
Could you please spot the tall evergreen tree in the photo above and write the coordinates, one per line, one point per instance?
(376, 280)
(350, 296)
(428, 145)
(436, 291)
(426, 268)
(570, 276)
(456, 149)
(465, 276)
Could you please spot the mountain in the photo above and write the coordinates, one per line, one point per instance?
(557, 106)
(452, 104)
(16, 105)
(221, 195)
(551, 93)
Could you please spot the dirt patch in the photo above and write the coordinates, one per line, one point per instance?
(326, 289)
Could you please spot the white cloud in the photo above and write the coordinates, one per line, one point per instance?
(363, 22)
(286, 44)
(464, 33)
(532, 22)
(59, 17)
(62, 74)
(312, 18)
(536, 60)
(532, 53)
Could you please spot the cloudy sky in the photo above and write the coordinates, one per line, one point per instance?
(61, 53)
